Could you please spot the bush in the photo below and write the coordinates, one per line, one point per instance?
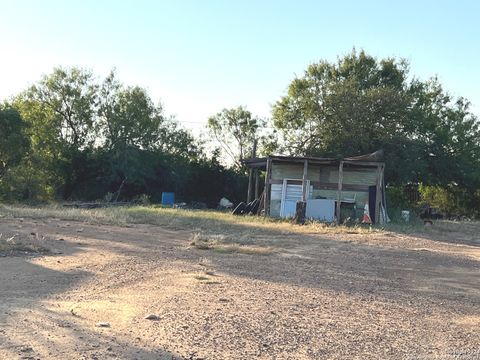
(452, 201)
(397, 198)
(25, 183)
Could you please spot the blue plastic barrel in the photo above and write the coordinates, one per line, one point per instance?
(168, 198)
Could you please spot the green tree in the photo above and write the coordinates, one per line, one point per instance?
(61, 111)
(130, 118)
(342, 108)
(235, 130)
(449, 134)
(65, 104)
(14, 142)
(134, 129)
(360, 104)
(22, 174)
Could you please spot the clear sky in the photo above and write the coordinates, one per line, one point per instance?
(198, 57)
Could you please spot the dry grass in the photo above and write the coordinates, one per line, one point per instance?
(14, 244)
(202, 278)
(439, 227)
(206, 220)
(224, 244)
(224, 232)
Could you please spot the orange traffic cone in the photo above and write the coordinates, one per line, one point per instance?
(366, 215)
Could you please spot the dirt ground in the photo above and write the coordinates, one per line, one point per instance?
(321, 296)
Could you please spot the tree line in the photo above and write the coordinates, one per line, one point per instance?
(73, 136)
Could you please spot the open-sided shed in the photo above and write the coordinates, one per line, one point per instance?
(333, 189)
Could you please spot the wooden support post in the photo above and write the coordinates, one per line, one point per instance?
(257, 184)
(250, 174)
(339, 191)
(249, 190)
(267, 187)
(304, 181)
(384, 196)
(378, 194)
(301, 205)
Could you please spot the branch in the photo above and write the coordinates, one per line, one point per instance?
(229, 151)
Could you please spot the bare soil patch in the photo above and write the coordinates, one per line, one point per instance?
(313, 295)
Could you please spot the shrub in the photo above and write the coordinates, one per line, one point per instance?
(452, 200)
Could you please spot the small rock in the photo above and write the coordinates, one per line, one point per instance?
(103, 324)
(26, 349)
(152, 317)
(223, 300)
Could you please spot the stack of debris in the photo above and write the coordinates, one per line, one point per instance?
(254, 207)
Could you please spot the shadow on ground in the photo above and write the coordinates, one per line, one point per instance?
(26, 290)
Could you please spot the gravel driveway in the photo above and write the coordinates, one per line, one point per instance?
(327, 296)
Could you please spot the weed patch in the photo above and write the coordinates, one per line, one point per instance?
(14, 244)
(225, 245)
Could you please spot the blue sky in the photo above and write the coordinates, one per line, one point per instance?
(198, 57)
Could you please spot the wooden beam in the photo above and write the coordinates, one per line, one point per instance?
(325, 186)
(267, 187)
(378, 194)
(362, 163)
(280, 182)
(250, 181)
(250, 175)
(257, 183)
(339, 191)
(293, 160)
(304, 181)
(384, 196)
(334, 186)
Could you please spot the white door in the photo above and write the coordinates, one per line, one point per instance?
(291, 194)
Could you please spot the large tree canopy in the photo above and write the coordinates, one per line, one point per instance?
(63, 103)
(129, 118)
(360, 104)
(132, 129)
